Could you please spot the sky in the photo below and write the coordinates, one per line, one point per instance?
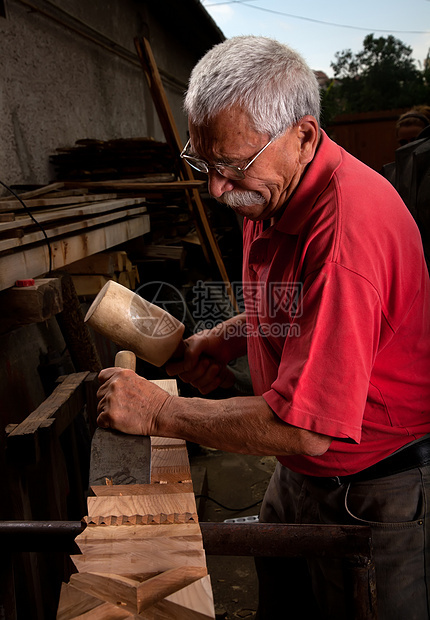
(317, 29)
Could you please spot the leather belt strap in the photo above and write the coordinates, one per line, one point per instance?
(415, 455)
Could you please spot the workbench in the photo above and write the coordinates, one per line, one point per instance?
(126, 467)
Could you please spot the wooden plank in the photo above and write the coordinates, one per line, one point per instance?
(128, 279)
(39, 191)
(57, 231)
(105, 263)
(168, 385)
(113, 538)
(170, 456)
(91, 284)
(165, 441)
(7, 217)
(67, 192)
(195, 600)
(129, 505)
(54, 215)
(33, 203)
(77, 605)
(168, 475)
(135, 595)
(173, 518)
(166, 610)
(74, 604)
(142, 489)
(142, 558)
(167, 252)
(62, 405)
(31, 262)
(109, 588)
(137, 186)
(169, 463)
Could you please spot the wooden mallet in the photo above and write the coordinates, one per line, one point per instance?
(137, 325)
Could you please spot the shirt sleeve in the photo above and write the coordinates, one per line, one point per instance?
(326, 362)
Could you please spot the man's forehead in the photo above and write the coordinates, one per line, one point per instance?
(226, 135)
(234, 118)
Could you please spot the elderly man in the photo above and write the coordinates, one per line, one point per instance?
(341, 376)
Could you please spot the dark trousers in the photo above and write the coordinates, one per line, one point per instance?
(396, 507)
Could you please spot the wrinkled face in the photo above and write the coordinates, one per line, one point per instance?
(269, 181)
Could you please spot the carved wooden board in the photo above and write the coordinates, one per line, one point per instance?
(142, 554)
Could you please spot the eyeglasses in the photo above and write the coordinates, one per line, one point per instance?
(234, 173)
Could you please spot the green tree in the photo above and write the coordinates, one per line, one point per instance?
(381, 76)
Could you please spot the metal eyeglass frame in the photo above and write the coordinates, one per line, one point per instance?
(236, 172)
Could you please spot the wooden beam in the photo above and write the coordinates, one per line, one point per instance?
(106, 263)
(30, 304)
(135, 595)
(130, 505)
(142, 550)
(76, 333)
(141, 489)
(140, 556)
(77, 604)
(34, 261)
(59, 409)
(53, 215)
(138, 186)
(64, 229)
(90, 285)
(39, 191)
(37, 203)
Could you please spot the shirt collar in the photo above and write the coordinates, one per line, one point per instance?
(317, 176)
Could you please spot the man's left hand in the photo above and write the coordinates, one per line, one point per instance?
(129, 403)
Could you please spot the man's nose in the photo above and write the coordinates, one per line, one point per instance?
(217, 184)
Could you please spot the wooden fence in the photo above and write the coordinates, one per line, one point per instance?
(369, 136)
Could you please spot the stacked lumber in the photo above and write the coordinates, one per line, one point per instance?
(141, 553)
(90, 274)
(166, 201)
(176, 216)
(59, 227)
(109, 163)
(122, 158)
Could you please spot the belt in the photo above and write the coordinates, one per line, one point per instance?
(415, 455)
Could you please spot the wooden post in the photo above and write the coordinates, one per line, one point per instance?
(206, 236)
(75, 333)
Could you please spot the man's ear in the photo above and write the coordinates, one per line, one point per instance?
(309, 135)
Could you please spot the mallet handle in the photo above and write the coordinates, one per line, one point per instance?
(126, 359)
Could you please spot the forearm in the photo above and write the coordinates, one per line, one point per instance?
(244, 425)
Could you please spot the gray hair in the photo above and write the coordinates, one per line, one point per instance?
(271, 81)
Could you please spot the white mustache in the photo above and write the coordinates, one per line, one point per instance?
(237, 198)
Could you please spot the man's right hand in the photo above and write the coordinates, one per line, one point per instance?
(204, 364)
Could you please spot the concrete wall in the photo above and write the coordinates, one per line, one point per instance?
(57, 86)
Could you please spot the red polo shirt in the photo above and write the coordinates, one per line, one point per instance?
(338, 309)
